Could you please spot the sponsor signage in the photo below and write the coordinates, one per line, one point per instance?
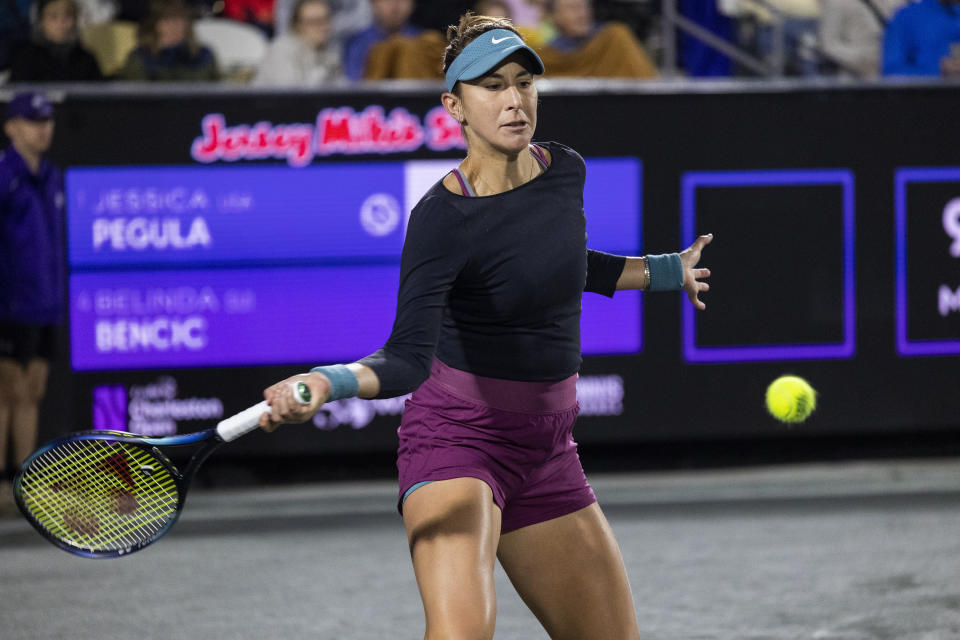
(336, 131)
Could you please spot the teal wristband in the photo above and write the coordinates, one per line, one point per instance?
(343, 382)
(666, 272)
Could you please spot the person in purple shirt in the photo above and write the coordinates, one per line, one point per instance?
(31, 274)
(390, 18)
(923, 39)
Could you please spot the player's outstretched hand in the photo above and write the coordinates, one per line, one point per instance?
(284, 408)
(691, 275)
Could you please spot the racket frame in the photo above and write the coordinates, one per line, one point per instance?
(227, 430)
(182, 479)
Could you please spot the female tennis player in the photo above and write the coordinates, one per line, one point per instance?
(487, 335)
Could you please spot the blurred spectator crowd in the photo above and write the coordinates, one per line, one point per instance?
(304, 43)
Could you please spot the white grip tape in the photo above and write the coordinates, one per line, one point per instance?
(244, 422)
(247, 420)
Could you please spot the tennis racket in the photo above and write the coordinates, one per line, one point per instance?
(106, 494)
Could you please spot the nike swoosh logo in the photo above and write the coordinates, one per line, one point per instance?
(495, 41)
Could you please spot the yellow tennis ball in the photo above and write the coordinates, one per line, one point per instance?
(791, 399)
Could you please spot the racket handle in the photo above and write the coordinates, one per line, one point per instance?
(247, 420)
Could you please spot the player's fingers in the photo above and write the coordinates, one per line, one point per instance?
(289, 409)
(283, 406)
(292, 411)
(701, 273)
(703, 241)
(270, 393)
(265, 423)
(693, 293)
(279, 407)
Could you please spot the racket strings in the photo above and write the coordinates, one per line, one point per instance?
(99, 495)
(127, 498)
(87, 496)
(71, 507)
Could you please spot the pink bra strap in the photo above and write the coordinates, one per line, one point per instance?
(465, 187)
(541, 157)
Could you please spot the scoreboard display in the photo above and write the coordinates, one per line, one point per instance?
(928, 260)
(246, 266)
(239, 238)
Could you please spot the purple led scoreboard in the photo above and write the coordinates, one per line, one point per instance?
(206, 266)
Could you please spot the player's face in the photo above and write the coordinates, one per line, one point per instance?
(32, 136)
(500, 109)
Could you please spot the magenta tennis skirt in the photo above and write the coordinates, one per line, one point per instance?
(515, 436)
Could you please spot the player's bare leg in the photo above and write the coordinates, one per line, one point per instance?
(453, 527)
(25, 413)
(570, 573)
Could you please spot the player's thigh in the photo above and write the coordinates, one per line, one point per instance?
(453, 527)
(570, 573)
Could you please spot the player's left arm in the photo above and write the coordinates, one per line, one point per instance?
(634, 275)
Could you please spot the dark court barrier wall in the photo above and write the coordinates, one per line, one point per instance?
(221, 240)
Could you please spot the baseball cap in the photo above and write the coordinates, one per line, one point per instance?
(30, 106)
(485, 52)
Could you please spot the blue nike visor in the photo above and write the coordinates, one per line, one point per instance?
(485, 52)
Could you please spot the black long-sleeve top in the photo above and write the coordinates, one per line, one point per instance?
(492, 284)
